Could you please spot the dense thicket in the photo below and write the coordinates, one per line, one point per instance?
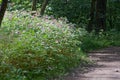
(76, 11)
(55, 38)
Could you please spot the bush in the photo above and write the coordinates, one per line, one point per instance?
(39, 49)
(76, 11)
(113, 17)
(92, 41)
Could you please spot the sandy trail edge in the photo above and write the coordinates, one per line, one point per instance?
(107, 68)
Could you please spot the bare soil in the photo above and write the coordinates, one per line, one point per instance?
(107, 66)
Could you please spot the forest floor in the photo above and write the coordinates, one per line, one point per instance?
(107, 66)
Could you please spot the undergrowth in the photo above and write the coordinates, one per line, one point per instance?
(91, 41)
(37, 48)
(33, 48)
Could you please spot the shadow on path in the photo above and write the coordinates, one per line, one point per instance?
(107, 66)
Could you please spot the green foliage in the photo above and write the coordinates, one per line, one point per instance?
(113, 37)
(34, 48)
(23, 5)
(38, 49)
(76, 11)
(113, 17)
(20, 5)
(0, 1)
(92, 41)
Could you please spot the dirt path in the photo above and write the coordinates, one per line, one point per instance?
(107, 68)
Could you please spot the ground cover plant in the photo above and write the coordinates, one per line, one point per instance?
(92, 41)
(37, 49)
(46, 42)
(43, 48)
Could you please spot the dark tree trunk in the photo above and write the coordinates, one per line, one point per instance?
(101, 15)
(91, 23)
(44, 7)
(34, 2)
(3, 9)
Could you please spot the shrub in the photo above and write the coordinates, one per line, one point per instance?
(92, 41)
(39, 48)
(76, 11)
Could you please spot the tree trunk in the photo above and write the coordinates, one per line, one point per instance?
(44, 7)
(92, 16)
(101, 15)
(34, 3)
(3, 9)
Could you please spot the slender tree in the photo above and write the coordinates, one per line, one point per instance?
(97, 20)
(101, 15)
(3, 9)
(92, 16)
(45, 3)
(34, 2)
